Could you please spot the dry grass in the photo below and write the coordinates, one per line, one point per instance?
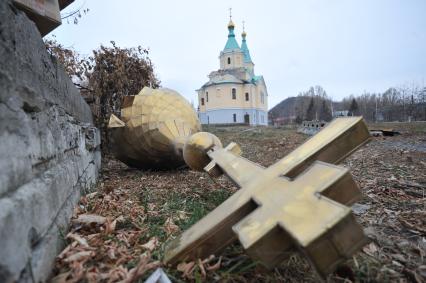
(143, 210)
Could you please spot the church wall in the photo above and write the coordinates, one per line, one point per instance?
(225, 116)
(220, 96)
(202, 116)
(220, 107)
(201, 95)
(260, 117)
(259, 89)
(237, 60)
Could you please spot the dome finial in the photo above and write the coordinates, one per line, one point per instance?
(230, 24)
(244, 34)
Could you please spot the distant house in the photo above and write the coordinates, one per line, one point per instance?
(342, 113)
(280, 121)
(234, 94)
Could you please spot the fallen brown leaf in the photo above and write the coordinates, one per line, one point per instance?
(79, 256)
(110, 226)
(90, 218)
(61, 278)
(151, 244)
(139, 270)
(111, 253)
(215, 266)
(78, 239)
(370, 249)
(170, 227)
(186, 268)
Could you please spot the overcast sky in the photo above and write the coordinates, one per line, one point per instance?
(346, 46)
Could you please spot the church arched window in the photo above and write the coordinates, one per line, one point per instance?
(262, 97)
(247, 96)
(202, 101)
(229, 60)
(207, 96)
(234, 93)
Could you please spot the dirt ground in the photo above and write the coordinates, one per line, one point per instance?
(119, 230)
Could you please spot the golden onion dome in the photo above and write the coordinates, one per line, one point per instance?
(231, 24)
(153, 128)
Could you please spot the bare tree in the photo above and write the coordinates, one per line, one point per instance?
(107, 76)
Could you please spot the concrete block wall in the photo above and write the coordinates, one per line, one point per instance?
(49, 150)
(311, 127)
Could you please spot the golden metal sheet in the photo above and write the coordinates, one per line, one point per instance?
(151, 131)
(299, 202)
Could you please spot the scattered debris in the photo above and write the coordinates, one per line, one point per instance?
(384, 132)
(375, 133)
(359, 208)
(159, 276)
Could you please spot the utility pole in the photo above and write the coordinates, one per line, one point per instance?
(376, 110)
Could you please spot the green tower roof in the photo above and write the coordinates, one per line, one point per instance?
(244, 48)
(231, 43)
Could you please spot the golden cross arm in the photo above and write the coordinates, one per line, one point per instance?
(297, 203)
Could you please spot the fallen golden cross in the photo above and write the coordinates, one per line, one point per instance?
(299, 203)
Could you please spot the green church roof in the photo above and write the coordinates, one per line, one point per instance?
(256, 79)
(244, 48)
(231, 43)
